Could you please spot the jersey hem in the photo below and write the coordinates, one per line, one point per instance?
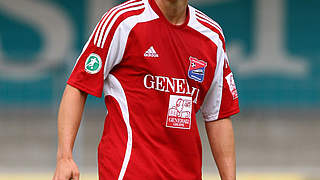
(82, 88)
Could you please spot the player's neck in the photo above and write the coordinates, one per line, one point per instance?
(174, 10)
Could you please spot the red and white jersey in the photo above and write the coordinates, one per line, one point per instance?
(155, 77)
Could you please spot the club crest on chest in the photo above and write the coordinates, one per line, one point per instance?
(197, 69)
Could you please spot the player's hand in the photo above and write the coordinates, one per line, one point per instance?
(66, 170)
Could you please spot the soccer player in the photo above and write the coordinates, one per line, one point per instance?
(158, 62)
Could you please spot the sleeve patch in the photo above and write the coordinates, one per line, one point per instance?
(93, 64)
(232, 86)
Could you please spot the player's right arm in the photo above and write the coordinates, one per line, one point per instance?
(69, 117)
(98, 57)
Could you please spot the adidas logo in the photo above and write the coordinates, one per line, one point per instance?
(151, 53)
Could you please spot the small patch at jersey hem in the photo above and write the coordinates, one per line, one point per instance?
(93, 64)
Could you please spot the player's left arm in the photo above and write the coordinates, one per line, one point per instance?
(221, 139)
(221, 102)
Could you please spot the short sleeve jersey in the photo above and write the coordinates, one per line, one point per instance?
(155, 77)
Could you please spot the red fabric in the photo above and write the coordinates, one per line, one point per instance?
(158, 151)
(93, 83)
(113, 143)
(229, 104)
(214, 29)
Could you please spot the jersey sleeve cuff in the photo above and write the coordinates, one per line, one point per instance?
(84, 89)
(211, 118)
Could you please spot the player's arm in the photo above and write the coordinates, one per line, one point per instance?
(221, 139)
(69, 117)
(96, 60)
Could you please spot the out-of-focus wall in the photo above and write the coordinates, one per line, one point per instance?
(273, 48)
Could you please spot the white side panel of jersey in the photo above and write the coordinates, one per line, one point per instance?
(212, 102)
(111, 85)
(114, 89)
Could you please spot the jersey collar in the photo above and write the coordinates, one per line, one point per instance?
(157, 10)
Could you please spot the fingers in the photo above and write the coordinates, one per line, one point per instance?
(75, 172)
(66, 170)
(76, 176)
(61, 177)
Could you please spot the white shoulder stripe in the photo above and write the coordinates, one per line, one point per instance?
(110, 18)
(114, 20)
(208, 18)
(212, 24)
(112, 13)
(195, 24)
(106, 18)
(97, 31)
(103, 20)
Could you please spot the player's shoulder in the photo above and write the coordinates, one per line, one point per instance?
(123, 11)
(200, 17)
(114, 18)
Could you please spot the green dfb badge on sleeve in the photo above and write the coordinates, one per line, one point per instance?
(93, 64)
